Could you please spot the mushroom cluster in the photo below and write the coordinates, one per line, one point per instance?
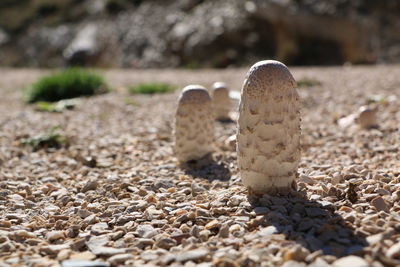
(268, 136)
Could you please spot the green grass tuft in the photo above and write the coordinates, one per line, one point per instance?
(71, 83)
(151, 88)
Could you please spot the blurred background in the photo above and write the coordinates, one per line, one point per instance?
(197, 33)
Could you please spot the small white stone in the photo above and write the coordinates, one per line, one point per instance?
(351, 261)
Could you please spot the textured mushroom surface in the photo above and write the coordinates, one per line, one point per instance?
(268, 138)
(221, 101)
(194, 124)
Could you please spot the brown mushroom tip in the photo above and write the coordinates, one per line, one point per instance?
(193, 94)
(219, 85)
(268, 75)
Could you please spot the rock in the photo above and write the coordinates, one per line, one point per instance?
(90, 185)
(53, 249)
(163, 183)
(54, 235)
(373, 239)
(352, 261)
(144, 242)
(380, 204)
(166, 243)
(306, 179)
(394, 251)
(100, 228)
(82, 263)
(83, 213)
(214, 224)
(267, 231)
(7, 247)
(319, 262)
(224, 231)
(197, 189)
(86, 255)
(83, 46)
(146, 231)
(120, 259)
(296, 253)
(106, 251)
(192, 255)
(292, 263)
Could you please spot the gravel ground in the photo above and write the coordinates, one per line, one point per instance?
(113, 194)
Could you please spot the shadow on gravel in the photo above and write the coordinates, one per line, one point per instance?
(313, 224)
(210, 170)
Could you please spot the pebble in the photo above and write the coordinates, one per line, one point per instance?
(380, 204)
(90, 185)
(214, 224)
(351, 261)
(86, 255)
(192, 255)
(83, 263)
(83, 213)
(53, 249)
(146, 231)
(166, 243)
(144, 242)
(120, 259)
(224, 231)
(55, 235)
(394, 251)
(267, 231)
(106, 251)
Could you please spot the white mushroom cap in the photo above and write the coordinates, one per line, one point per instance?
(367, 117)
(194, 94)
(268, 139)
(218, 85)
(268, 75)
(194, 124)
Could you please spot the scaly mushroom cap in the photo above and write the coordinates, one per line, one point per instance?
(221, 101)
(268, 138)
(194, 125)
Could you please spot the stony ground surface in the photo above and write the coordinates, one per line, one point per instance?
(114, 195)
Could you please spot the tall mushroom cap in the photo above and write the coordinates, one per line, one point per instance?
(268, 138)
(221, 101)
(194, 125)
(268, 75)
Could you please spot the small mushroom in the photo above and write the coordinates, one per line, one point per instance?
(194, 125)
(268, 137)
(367, 117)
(221, 101)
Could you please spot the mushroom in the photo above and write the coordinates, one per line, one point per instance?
(221, 101)
(367, 117)
(268, 137)
(194, 125)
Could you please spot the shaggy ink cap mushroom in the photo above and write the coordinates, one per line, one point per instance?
(221, 101)
(194, 124)
(268, 137)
